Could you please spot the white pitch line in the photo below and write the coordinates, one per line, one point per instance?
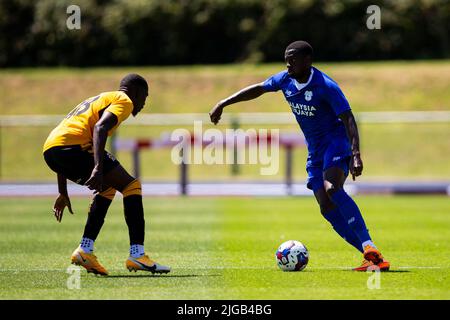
(422, 267)
(222, 268)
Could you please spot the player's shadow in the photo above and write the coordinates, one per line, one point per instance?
(382, 272)
(161, 276)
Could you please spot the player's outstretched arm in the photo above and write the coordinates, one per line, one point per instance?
(100, 134)
(356, 165)
(63, 200)
(248, 93)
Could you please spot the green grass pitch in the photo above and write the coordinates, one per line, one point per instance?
(223, 248)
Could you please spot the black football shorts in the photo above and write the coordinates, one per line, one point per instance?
(76, 164)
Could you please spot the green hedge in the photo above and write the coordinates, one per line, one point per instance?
(153, 32)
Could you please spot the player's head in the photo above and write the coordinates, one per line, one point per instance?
(298, 57)
(136, 88)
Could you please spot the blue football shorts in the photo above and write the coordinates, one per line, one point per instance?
(336, 153)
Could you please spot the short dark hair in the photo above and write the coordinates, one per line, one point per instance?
(133, 80)
(299, 47)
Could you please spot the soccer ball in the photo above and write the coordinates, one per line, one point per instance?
(292, 255)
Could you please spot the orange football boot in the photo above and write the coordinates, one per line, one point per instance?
(384, 265)
(146, 264)
(372, 254)
(88, 261)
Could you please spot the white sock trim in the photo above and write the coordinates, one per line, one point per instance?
(368, 242)
(87, 245)
(137, 250)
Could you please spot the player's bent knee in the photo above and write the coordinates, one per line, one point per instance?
(330, 187)
(324, 201)
(134, 188)
(108, 193)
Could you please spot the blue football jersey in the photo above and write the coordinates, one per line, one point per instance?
(316, 105)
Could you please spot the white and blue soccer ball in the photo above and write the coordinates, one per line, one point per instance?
(292, 255)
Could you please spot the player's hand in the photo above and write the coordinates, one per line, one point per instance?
(61, 203)
(95, 182)
(356, 166)
(216, 113)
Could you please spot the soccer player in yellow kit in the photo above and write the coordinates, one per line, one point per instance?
(75, 150)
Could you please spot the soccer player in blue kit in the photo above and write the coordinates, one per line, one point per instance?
(331, 134)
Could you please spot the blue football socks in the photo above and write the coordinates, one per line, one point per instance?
(352, 215)
(341, 226)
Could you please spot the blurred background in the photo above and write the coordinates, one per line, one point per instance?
(194, 53)
(157, 32)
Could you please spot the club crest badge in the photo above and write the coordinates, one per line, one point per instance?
(308, 95)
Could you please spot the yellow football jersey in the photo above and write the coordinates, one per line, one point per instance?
(77, 127)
